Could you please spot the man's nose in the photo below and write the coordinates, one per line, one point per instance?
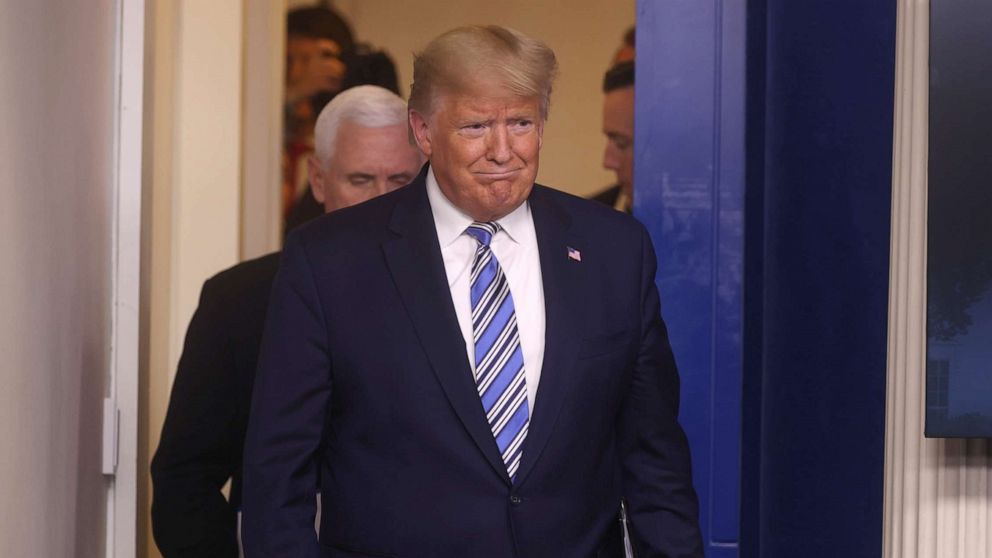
(499, 145)
(380, 186)
(611, 158)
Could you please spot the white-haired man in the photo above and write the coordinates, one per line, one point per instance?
(363, 150)
(474, 365)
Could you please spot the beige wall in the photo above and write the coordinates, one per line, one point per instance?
(192, 177)
(583, 33)
(262, 114)
(157, 329)
(56, 191)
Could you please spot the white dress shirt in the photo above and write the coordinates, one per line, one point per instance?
(515, 247)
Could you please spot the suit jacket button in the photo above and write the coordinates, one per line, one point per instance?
(515, 500)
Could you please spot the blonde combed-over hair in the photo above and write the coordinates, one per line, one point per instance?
(465, 59)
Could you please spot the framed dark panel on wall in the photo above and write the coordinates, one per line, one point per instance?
(959, 221)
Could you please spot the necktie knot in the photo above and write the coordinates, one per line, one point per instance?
(483, 232)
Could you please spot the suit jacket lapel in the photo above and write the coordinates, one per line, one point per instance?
(414, 259)
(564, 280)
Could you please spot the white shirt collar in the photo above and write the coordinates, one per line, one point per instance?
(451, 221)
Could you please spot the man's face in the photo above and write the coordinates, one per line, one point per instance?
(312, 66)
(484, 149)
(618, 125)
(367, 162)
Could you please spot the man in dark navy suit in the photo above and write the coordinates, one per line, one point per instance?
(363, 150)
(474, 365)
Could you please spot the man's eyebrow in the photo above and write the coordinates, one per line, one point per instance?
(472, 119)
(354, 175)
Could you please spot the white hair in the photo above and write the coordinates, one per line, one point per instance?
(369, 106)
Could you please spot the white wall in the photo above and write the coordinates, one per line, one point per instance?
(56, 169)
(583, 33)
(938, 492)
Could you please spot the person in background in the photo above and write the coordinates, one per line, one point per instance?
(474, 365)
(356, 64)
(627, 48)
(318, 41)
(618, 126)
(363, 150)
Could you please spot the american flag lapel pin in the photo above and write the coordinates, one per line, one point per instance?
(574, 254)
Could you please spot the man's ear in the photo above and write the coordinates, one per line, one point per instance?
(317, 179)
(421, 132)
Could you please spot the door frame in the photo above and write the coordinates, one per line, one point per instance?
(121, 408)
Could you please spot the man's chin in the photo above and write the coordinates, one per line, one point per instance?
(503, 202)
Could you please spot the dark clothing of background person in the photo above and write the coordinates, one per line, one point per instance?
(306, 207)
(205, 425)
(608, 196)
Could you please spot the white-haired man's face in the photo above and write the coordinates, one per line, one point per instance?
(367, 162)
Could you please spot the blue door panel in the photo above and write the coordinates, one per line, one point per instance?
(689, 193)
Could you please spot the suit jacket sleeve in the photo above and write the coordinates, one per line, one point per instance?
(285, 426)
(662, 505)
(200, 445)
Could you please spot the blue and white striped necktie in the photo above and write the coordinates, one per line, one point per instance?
(499, 360)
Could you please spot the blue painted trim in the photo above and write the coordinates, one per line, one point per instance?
(689, 191)
(754, 235)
